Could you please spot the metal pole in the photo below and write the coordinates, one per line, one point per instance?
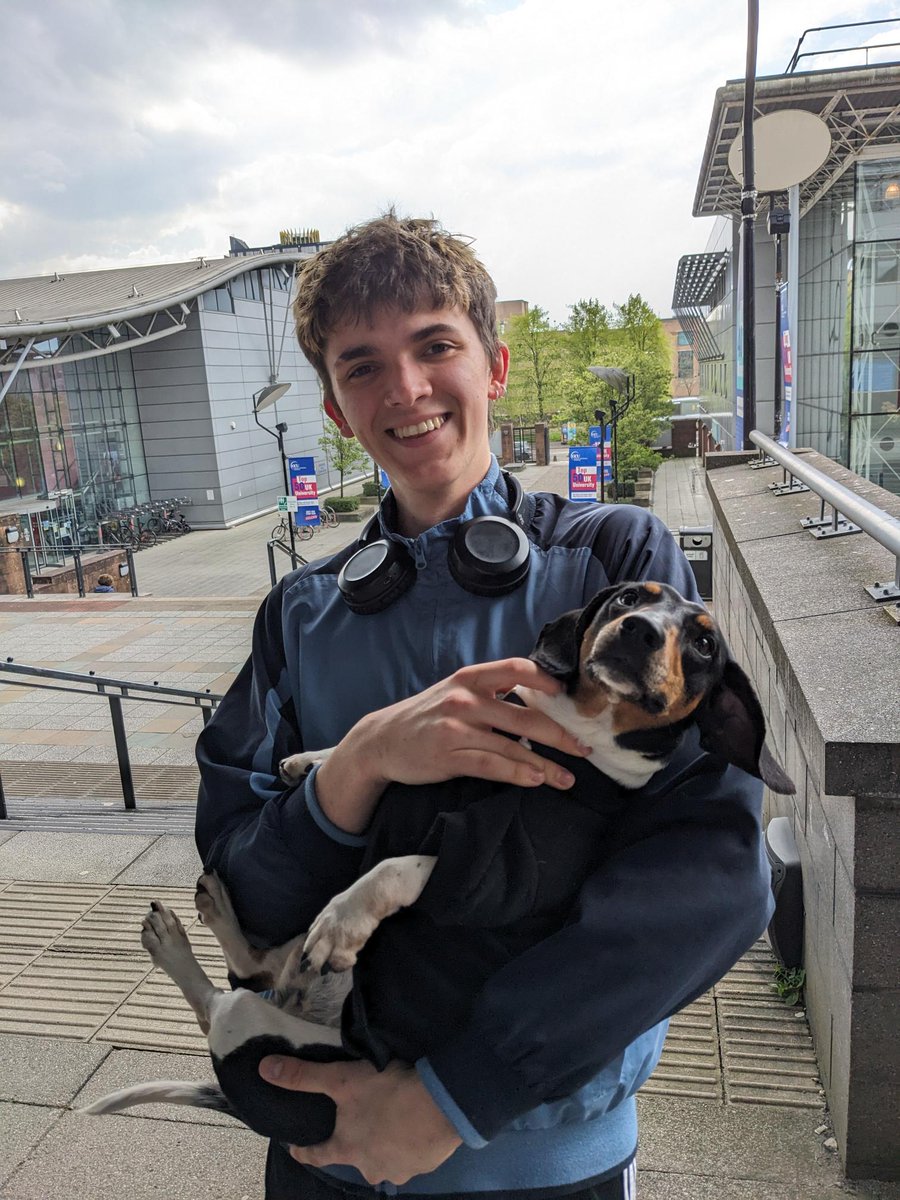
(748, 213)
(287, 492)
(271, 553)
(26, 571)
(118, 724)
(79, 572)
(132, 578)
(3, 813)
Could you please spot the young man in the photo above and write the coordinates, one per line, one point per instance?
(535, 1095)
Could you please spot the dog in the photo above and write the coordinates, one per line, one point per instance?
(456, 871)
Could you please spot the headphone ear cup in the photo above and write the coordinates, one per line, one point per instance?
(375, 576)
(489, 556)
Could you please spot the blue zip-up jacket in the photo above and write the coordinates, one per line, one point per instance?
(540, 1082)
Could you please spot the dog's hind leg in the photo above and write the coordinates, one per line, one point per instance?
(347, 922)
(164, 939)
(248, 963)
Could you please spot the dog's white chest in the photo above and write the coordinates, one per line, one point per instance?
(627, 767)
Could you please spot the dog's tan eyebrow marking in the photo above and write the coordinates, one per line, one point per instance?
(706, 621)
(653, 588)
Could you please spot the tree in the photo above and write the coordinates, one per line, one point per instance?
(343, 454)
(536, 364)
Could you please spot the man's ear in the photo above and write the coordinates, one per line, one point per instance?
(500, 368)
(732, 726)
(333, 410)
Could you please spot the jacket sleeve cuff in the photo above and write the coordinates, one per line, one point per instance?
(311, 800)
(465, 1077)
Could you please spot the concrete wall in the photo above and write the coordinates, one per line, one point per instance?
(826, 662)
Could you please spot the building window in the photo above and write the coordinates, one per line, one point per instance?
(246, 287)
(685, 364)
(685, 339)
(218, 300)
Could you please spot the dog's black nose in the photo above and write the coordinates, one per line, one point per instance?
(639, 631)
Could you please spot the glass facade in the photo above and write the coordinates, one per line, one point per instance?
(74, 427)
(849, 314)
(875, 373)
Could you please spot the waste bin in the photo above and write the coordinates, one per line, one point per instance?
(697, 547)
(785, 932)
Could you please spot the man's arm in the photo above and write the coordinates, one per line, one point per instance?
(684, 895)
(279, 856)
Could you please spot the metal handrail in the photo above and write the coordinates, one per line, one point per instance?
(874, 521)
(297, 560)
(115, 691)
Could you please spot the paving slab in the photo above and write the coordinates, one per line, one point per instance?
(171, 861)
(48, 1071)
(62, 857)
(750, 1142)
(81, 1158)
(23, 1127)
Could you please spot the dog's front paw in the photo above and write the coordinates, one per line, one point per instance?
(293, 769)
(337, 935)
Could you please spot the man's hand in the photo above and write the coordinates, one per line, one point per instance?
(447, 731)
(387, 1126)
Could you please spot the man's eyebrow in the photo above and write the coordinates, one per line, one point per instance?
(364, 349)
(353, 352)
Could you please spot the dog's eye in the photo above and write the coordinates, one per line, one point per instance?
(705, 645)
(629, 598)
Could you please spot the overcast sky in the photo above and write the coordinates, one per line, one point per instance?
(565, 136)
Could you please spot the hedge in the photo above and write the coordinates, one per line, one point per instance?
(343, 504)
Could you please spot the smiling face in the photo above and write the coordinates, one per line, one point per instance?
(415, 389)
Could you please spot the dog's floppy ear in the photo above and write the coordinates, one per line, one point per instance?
(732, 726)
(558, 649)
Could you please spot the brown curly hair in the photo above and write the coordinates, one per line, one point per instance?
(404, 263)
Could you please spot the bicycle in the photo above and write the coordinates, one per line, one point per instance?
(281, 532)
(329, 517)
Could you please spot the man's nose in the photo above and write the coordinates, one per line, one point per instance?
(408, 382)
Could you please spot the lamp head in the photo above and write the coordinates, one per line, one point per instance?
(268, 395)
(614, 376)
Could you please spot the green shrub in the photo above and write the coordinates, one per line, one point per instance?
(371, 488)
(344, 504)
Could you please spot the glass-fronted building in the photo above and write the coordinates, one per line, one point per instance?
(118, 387)
(840, 279)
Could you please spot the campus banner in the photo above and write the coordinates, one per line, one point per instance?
(305, 490)
(787, 371)
(602, 437)
(583, 473)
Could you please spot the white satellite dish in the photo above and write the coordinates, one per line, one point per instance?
(788, 147)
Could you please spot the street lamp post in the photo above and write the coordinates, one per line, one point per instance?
(600, 418)
(622, 385)
(263, 399)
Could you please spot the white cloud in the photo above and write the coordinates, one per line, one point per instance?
(565, 135)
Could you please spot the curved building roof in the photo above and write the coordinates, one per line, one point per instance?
(49, 305)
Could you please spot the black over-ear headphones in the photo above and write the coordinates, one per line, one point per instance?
(489, 556)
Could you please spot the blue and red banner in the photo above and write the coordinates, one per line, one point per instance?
(583, 473)
(305, 490)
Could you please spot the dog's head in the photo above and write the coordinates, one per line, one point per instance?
(659, 663)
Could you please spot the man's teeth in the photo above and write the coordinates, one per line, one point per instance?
(408, 431)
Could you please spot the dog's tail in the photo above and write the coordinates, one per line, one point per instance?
(162, 1091)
